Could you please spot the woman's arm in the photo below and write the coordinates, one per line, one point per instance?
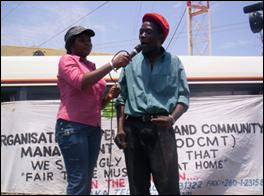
(90, 78)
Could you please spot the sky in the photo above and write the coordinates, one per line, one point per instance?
(116, 24)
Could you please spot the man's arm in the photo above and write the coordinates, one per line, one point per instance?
(120, 118)
(90, 78)
(120, 138)
(120, 108)
(182, 102)
(168, 121)
(178, 111)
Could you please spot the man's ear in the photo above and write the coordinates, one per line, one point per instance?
(162, 38)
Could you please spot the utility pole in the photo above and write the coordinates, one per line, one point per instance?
(199, 34)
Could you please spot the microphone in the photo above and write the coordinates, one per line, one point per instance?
(136, 50)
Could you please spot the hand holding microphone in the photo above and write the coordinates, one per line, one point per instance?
(122, 60)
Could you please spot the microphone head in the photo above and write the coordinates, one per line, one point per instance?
(138, 48)
(135, 51)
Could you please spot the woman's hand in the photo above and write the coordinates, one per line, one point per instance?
(121, 60)
(113, 92)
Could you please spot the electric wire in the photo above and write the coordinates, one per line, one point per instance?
(176, 29)
(111, 125)
(52, 37)
(19, 4)
(111, 142)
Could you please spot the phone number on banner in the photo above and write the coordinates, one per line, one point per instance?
(248, 182)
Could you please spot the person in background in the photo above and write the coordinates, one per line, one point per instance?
(154, 94)
(78, 126)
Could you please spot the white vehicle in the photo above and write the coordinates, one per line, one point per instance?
(34, 77)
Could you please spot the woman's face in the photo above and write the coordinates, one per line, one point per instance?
(82, 45)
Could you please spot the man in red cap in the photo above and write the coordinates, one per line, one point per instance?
(154, 94)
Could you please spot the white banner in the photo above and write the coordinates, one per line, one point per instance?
(219, 139)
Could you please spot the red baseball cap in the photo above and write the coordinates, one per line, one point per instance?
(160, 20)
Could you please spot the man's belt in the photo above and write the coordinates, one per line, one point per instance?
(145, 118)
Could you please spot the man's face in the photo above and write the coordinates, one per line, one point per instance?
(149, 37)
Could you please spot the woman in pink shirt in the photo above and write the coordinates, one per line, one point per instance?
(78, 127)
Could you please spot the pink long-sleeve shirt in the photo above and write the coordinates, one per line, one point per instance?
(82, 106)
